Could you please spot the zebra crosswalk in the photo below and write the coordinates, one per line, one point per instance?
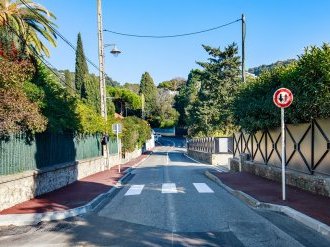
(167, 188)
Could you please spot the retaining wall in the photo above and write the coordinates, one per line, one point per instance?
(24, 186)
(210, 158)
(317, 184)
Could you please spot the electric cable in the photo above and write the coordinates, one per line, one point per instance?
(174, 35)
(61, 36)
(40, 57)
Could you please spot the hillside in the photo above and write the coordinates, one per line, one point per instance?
(259, 69)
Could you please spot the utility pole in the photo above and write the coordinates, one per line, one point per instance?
(103, 95)
(101, 60)
(243, 47)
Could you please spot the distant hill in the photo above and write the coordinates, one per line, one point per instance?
(257, 70)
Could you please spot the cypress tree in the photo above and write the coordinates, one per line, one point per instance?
(149, 90)
(81, 70)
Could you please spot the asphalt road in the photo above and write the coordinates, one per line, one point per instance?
(169, 202)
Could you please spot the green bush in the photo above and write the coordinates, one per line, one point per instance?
(308, 79)
(135, 133)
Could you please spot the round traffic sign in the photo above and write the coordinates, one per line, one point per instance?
(283, 98)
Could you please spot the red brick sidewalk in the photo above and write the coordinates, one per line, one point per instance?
(74, 195)
(265, 190)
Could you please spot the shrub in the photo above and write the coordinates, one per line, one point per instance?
(135, 133)
(308, 79)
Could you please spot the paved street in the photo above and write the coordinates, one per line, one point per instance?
(169, 202)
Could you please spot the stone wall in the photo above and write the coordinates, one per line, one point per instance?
(20, 187)
(213, 159)
(317, 184)
(24, 186)
(129, 156)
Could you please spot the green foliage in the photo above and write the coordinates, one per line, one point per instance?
(110, 82)
(55, 101)
(149, 90)
(134, 87)
(17, 112)
(92, 92)
(164, 115)
(124, 98)
(174, 85)
(187, 96)
(210, 114)
(69, 81)
(90, 121)
(135, 133)
(258, 70)
(308, 79)
(81, 70)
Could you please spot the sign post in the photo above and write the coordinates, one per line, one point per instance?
(283, 98)
(116, 129)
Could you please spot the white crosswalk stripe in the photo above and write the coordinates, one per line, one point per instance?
(203, 188)
(169, 188)
(135, 190)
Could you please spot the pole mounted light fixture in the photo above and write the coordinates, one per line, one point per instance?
(115, 51)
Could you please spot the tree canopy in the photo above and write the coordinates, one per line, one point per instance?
(123, 98)
(208, 93)
(174, 84)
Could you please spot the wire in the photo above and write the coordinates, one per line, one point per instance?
(61, 36)
(41, 58)
(174, 35)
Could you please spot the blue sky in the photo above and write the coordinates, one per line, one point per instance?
(276, 30)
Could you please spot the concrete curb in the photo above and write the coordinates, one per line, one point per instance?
(36, 218)
(302, 218)
(219, 169)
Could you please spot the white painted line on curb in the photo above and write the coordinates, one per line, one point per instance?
(203, 188)
(192, 159)
(169, 188)
(135, 190)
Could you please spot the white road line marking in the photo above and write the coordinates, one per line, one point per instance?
(135, 190)
(203, 188)
(166, 158)
(169, 188)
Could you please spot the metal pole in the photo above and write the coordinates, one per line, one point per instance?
(283, 154)
(101, 60)
(243, 47)
(117, 132)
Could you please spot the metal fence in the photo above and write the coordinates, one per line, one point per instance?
(18, 153)
(307, 147)
(216, 145)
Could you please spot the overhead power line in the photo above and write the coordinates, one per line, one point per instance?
(40, 57)
(171, 36)
(61, 36)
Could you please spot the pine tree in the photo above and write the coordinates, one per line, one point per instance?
(81, 70)
(149, 90)
(210, 114)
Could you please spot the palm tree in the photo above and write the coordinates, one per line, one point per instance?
(24, 21)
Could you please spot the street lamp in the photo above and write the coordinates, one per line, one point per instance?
(115, 51)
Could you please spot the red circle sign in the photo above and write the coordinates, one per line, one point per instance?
(283, 98)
